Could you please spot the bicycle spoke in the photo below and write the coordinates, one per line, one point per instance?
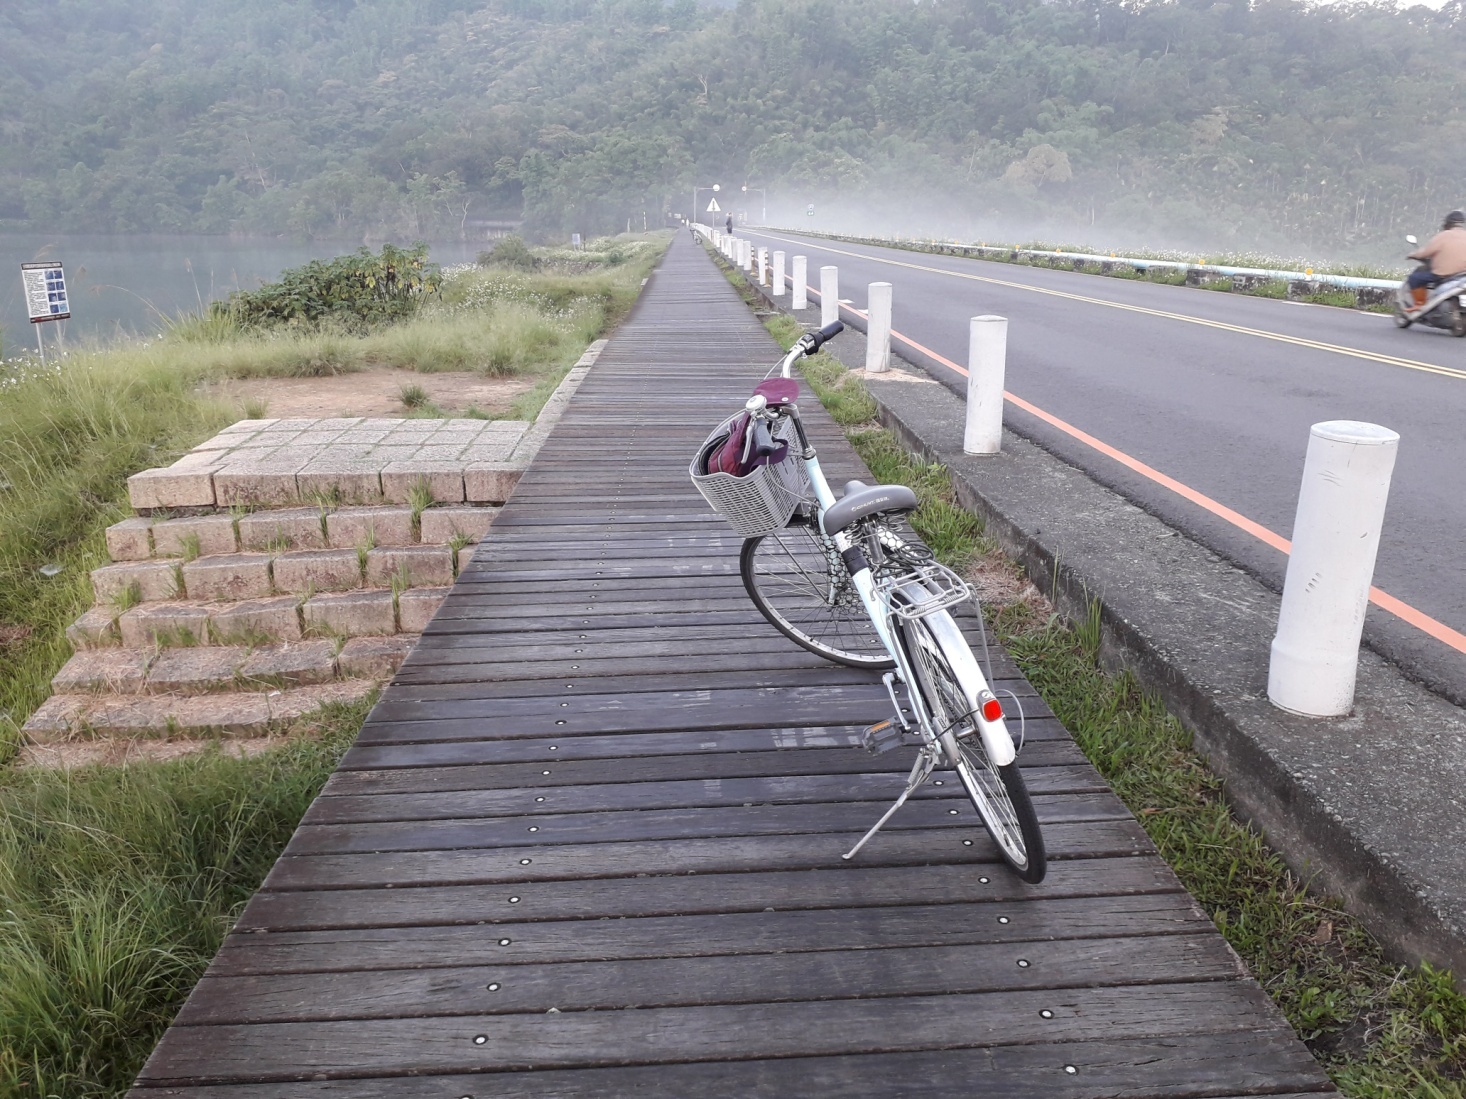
(801, 586)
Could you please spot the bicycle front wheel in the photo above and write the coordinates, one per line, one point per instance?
(997, 792)
(797, 581)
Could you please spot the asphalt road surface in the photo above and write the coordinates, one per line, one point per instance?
(1217, 391)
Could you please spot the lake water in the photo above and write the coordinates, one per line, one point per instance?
(124, 285)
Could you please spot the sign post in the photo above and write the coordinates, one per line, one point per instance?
(45, 296)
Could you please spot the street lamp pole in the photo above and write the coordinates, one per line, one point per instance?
(763, 216)
(715, 187)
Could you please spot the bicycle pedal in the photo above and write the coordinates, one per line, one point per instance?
(882, 737)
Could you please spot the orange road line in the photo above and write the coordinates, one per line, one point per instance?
(1382, 599)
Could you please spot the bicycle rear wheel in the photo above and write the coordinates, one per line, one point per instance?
(798, 582)
(997, 793)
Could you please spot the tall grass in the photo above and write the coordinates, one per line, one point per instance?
(69, 437)
(118, 885)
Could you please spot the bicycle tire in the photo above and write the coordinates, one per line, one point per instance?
(787, 574)
(998, 793)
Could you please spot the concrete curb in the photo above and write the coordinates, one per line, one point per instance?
(1368, 806)
(529, 445)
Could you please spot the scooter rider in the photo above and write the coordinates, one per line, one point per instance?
(1445, 255)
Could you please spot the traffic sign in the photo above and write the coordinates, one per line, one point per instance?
(714, 208)
(45, 291)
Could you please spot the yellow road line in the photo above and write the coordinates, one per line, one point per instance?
(1297, 341)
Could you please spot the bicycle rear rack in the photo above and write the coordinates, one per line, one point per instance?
(923, 590)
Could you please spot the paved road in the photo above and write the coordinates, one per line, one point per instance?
(1222, 406)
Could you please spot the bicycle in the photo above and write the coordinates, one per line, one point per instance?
(841, 579)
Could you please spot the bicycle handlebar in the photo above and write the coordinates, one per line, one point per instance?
(809, 343)
(812, 340)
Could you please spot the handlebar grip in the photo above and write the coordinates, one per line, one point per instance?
(813, 340)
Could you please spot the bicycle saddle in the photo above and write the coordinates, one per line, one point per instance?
(860, 500)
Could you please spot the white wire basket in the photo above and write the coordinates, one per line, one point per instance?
(763, 500)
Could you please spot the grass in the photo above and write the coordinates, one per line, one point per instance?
(69, 437)
(118, 886)
(413, 396)
(490, 323)
(1380, 1030)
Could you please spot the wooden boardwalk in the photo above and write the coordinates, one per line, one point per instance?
(588, 844)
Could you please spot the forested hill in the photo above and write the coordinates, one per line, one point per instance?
(1271, 123)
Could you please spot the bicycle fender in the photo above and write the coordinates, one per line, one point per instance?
(996, 740)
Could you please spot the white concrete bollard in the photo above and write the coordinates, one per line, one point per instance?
(800, 278)
(878, 328)
(778, 274)
(763, 265)
(829, 296)
(1341, 508)
(748, 255)
(987, 357)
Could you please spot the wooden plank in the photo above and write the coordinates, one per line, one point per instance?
(850, 886)
(840, 818)
(743, 933)
(707, 765)
(726, 979)
(606, 797)
(669, 1035)
(1186, 1067)
(719, 854)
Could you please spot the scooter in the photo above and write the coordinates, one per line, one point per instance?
(1445, 306)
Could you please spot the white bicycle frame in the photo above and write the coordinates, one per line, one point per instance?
(996, 740)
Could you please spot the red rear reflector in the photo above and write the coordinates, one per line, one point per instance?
(992, 709)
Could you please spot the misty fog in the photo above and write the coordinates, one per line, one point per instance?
(1279, 127)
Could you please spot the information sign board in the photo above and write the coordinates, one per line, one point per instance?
(45, 291)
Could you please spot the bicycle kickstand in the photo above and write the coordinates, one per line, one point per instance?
(926, 761)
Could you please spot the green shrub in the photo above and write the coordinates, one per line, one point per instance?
(355, 291)
(511, 252)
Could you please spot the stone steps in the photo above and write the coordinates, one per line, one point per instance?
(190, 537)
(277, 568)
(274, 463)
(249, 713)
(222, 558)
(206, 669)
(232, 624)
(359, 612)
